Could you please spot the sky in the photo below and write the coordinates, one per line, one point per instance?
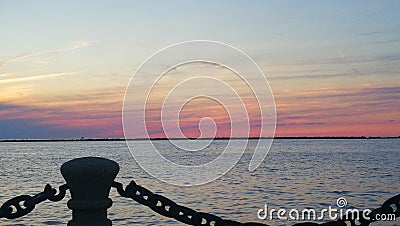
(333, 67)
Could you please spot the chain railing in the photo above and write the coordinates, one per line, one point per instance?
(90, 180)
(168, 208)
(24, 204)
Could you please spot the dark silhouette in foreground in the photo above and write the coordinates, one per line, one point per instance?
(90, 179)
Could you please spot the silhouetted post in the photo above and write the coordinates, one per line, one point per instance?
(89, 180)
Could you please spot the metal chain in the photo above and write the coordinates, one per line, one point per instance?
(169, 208)
(24, 204)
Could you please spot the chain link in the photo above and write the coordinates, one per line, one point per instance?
(24, 204)
(168, 208)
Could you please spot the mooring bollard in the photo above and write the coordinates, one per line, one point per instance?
(89, 180)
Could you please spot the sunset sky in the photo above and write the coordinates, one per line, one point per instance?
(333, 66)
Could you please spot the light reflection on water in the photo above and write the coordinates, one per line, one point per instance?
(296, 174)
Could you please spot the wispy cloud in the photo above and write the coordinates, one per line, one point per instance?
(353, 68)
(18, 58)
(74, 46)
(95, 114)
(386, 41)
(79, 45)
(363, 105)
(361, 92)
(45, 53)
(319, 76)
(4, 75)
(36, 77)
(371, 33)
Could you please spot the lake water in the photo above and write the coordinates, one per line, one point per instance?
(297, 173)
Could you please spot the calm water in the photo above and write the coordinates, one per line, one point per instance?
(296, 174)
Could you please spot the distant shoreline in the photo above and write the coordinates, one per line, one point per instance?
(218, 138)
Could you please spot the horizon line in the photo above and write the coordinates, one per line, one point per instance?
(191, 138)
